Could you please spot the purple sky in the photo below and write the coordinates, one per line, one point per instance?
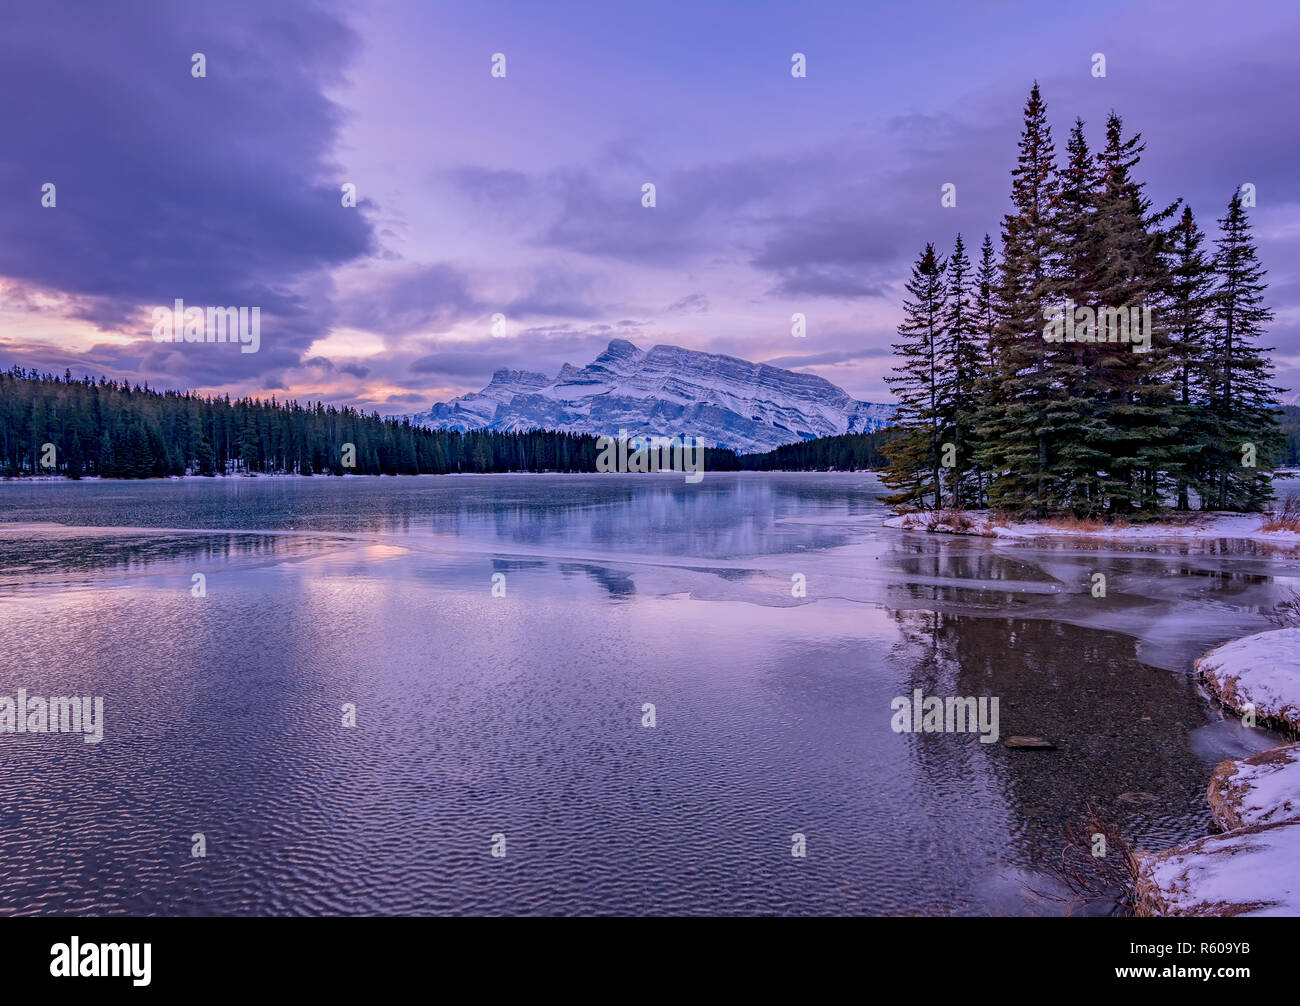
(522, 195)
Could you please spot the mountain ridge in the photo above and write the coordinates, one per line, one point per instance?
(664, 391)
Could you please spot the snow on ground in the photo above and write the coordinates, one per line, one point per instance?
(1196, 526)
(1261, 789)
(1254, 867)
(1250, 871)
(1262, 670)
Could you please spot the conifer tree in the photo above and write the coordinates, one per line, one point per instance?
(1076, 415)
(985, 289)
(1190, 319)
(1133, 388)
(1242, 405)
(985, 325)
(205, 460)
(914, 457)
(959, 351)
(1147, 384)
(1013, 420)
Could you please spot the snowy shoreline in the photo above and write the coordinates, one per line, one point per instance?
(1252, 866)
(1197, 526)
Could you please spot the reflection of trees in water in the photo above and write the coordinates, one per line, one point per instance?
(975, 561)
(659, 515)
(1152, 591)
(1121, 728)
(725, 514)
(970, 578)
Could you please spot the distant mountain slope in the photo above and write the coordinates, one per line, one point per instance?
(666, 391)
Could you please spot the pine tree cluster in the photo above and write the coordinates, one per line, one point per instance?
(114, 430)
(993, 413)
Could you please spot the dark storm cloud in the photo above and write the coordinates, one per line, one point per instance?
(216, 190)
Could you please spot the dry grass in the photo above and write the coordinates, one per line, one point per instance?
(954, 519)
(950, 521)
(1287, 614)
(1086, 523)
(1283, 518)
(1087, 877)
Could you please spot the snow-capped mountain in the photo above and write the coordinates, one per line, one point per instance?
(666, 391)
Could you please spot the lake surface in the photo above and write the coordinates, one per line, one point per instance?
(521, 715)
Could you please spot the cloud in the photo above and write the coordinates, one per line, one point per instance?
(217, 190)
(692, 303)
(601, 214)
(453, 364)
(543, 348)
(829, 357)
(557, 292)
(491, 186)
(411, 299)
(225, 190)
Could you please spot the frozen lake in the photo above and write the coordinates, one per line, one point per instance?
(480, 715)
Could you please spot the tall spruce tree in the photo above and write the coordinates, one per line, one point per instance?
(1013, 423)
(917, 382)
(1242, 402)
(1190, 320)
(959, 349)
(986, 280)
(1132, 387)
(1077, 416)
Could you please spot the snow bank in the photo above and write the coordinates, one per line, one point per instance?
(1261, 789)
(1250, 871)
(1193, 527)
(1263, 671)
(1254, 867)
